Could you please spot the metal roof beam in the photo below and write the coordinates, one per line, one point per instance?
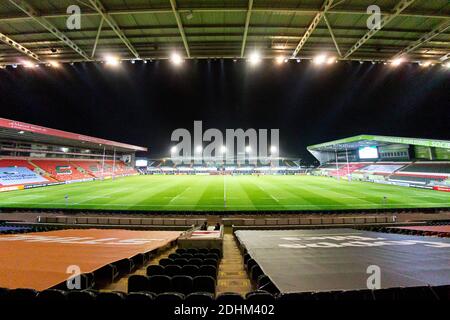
(399, 7)
(247, 23)
(13, 44)
(32, 13)
(180, 26)
(325, 6)
(97, 37)
(113, 24)
(332, 35)
(442, 27)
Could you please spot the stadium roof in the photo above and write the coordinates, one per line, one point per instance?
(365, 140)
(20, 131)
(144, 29)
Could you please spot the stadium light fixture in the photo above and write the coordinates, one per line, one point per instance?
(223, 149)
(198, 149)
(279, 59)
(176, 59)
(54, 64)
(331, 60)
(28, 64)
(397, 62)
(21, 132)
(446, 65)
(248, 149)
(273, 149)
(112, 61)
(173, 149)
(64, 149)
(320, 59)
(425, 64)
(255, 58)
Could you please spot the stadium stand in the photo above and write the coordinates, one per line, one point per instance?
(61, 170)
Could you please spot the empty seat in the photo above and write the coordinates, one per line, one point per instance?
(208, 270)
(138, 283)
(140, 298)
(212, 256)
(264, 283)
(186, 256)
(199, 255)
(155, 269)
(52, 296)
(196, 261)
(246, 258)
(197, 298)
(190, 270)
(260, 297)
(174, 256)
(203, 251)
(114, 298)
(230, 298)
(216, 251)
(182, 284)
(169, 298)
(159, 284)
(106, 274)
(180, 251)
(21, 295)
(180, 262)
(211, 262)
(81, 297)
(192, 250)
(172, 270)
(124, 266)
(250, 263)
(166, 261)
(139, 260)
(205, 284)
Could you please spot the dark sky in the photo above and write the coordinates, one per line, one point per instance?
(143, 103)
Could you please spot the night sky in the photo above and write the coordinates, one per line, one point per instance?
(142, 104)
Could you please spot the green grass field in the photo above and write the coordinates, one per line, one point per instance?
(224, 193)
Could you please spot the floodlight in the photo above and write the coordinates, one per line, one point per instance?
(28, 64)
(331, 60)
(54, 64)
(248, 149)
(112, 61)
(397, 62)
(173, 149)
(279, 59)
(273, 149)
(223, 149)
(176, 59)
(320, 59)
(255, 58)
(198, 149)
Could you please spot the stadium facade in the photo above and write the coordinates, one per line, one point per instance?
(384, 159)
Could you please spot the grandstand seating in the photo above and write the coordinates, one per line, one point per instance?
(437, 168)
(16, 163)
(61, 170)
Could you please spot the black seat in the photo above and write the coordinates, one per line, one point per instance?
(196, 298)
(190, 270)
(255, 272)
(260, 297)
(203, 251)
(200, 256)
(211, 262)
(208, 270)
(174, 256)
(21, 295)
(230, 298)
(139, 260)
(205, 284)
(250, 263)
(186, 256)
(166, 261)
(159, 284)
(106, 275)
(113, 298)
(196, 261)
(212, 256)
(181, 251)
(180, 262)
(246, 258)
(125, 266)
(172, 270)
(140, 298)
(216, 251)
(171, 298)
(52, 296)
(138, 283)
(155, 269)
(182, 284)
(192, 250)
(81, 297)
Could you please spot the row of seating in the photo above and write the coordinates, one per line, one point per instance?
(306, 221)
(177, 283)
(411, 232)
(186, 270)
(119, 221)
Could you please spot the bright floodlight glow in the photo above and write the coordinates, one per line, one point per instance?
(279, 59)
(397, 62)
(173, 149)
(112, 61)
(273, 149)
(54, 64)
(64, 149)
(446, 65)
(248, 149)
(198, 149)
(425, 64)
(21, 132)
(331, 60)
(320, 59)
(223, 149)
(28, 64)
(255, 58)
(176, 59)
